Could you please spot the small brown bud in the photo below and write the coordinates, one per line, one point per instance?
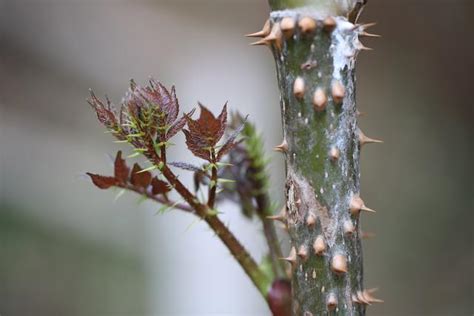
(334, 154)
(311, 220)
(349, 228)
(319, 245)
(299, 88)
(307, 25)
(319, 100)
(338, 92)
(303, 252)
(339, 263)
(287, 26)
(331, 301)
(329, 24)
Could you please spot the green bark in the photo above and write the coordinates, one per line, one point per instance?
(322, 155)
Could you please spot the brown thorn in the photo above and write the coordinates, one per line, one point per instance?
(338, 91)
(357, 204)
(283, 147)
(307, 25)
(299, 88)
(361, 297)
(292, 257)
(303, 252)
(264, 32)
(331, 301)
(260, 42)
(349, 227)
(311, 220)
(319, 99)
(275, 36)
(279, 217)
(319, 245)
(363, 139)
(339, 263)
(334, 154)
(365, 34)
(362, 47)
(287, 26)
(366, 25)
(329, 24)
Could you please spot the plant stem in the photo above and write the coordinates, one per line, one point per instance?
(315, 59)
(259, 279)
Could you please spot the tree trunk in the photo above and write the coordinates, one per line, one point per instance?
(315, 44)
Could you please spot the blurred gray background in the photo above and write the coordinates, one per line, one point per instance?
(67, 248)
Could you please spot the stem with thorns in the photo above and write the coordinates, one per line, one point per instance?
(315, 44)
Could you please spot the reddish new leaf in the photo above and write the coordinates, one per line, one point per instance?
(205, 132)
(102, 182)
(197, 147)
(159, 186)
(140, 179)
(120, 168)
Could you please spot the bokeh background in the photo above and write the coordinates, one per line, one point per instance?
(67, 248)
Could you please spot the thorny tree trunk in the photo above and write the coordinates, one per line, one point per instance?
(315, 44)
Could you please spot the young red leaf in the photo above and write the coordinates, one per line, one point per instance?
(205, 132)
(120, 168)
(102, 182)
(159, 186)
(140, 179)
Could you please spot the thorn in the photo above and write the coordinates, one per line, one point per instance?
(283, 147)
(307, 25)
(319, 99)
(319, 245)
(287, 26)
(365, 34)
(358, 113)
(363, 139)
(365, 26)
(334, 154)
(361, 46)
(292, 257)
(275, 36)
(349, 228)
(338, 92)
(339, 263)
(303, 252)
(260, 42)
(367, 235)
(280, 217)
(329, 24)
(311, 219)
(264, 32)
(299, 88)
(331, 301)
(357, 204)
(361, 298)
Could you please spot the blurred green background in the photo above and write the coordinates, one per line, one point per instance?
(67, 248)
